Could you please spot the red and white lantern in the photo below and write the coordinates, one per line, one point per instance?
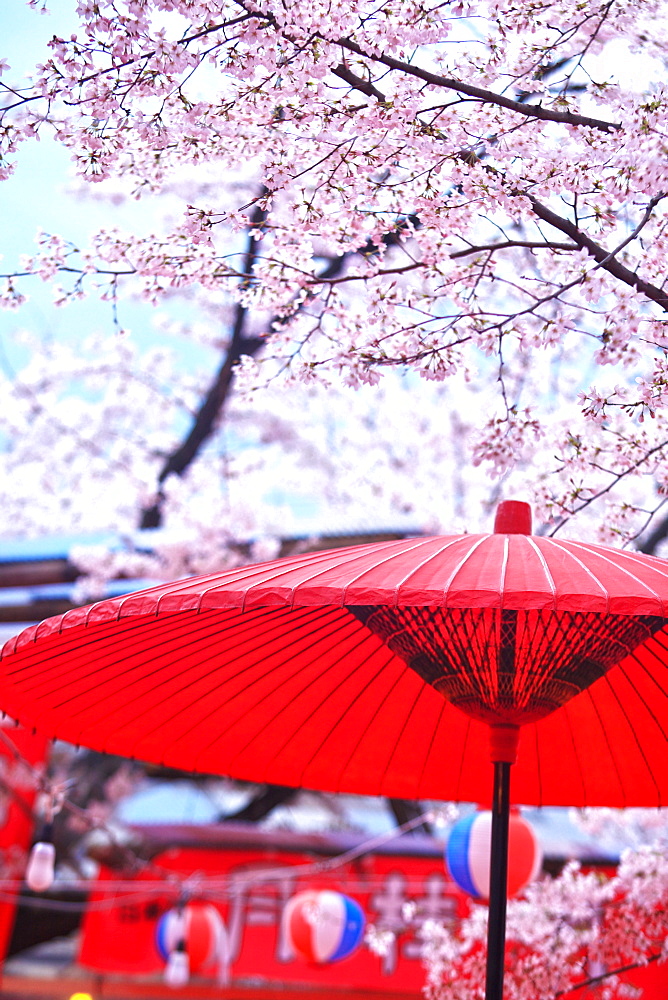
(323, 926)
(468, 849)
(193, 939)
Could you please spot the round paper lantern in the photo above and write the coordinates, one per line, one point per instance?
(200, 928)
(467, 854)
(323, 926)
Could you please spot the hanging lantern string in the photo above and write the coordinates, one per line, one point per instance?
(368, 847)
(123, 893)
(203, 886)
(196, 884)
(200, 885)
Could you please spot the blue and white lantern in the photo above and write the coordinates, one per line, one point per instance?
(467, 854)
(323, 926)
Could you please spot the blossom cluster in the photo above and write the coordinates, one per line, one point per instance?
(579, 929)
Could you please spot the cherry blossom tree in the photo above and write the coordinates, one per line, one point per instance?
(91, 427)
(470, 192)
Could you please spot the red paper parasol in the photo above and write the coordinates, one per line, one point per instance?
(380, 669)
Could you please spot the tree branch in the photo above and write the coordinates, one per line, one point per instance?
(651, 543)
(596, 980)
(214, 402)
(262, 803)
(482, 95)
(535, 111)
(240, 344)
(616, 479)
(407, 811)
(605, 258)
(364, 86)
(503, 245)
(449, 83)
(207, 415)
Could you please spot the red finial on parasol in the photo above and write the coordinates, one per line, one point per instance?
(513, 517)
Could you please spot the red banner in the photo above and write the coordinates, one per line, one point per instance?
(250, 881)
(17, 793)
(396, 892)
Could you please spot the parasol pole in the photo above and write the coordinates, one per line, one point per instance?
(513, 517)
(504, 739)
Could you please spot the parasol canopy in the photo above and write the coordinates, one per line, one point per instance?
(377, 669)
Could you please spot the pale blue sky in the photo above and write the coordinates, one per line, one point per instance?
(37, 197)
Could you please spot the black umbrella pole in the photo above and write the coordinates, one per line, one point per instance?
(498, 882)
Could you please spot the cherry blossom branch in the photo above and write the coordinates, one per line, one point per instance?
(608, 974)
(535, 111)
(357, 83)
(505, 244)
(381, 273)
(123, 64)
(583, 503)
(479, 93)
(240, 345)
(435, 79)
(605, 258)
